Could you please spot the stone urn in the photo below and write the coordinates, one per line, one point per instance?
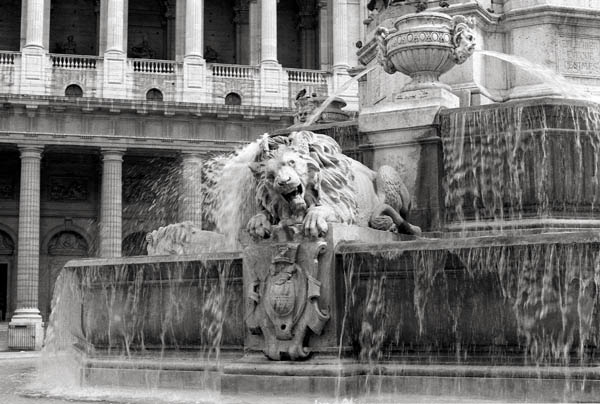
(424, 46)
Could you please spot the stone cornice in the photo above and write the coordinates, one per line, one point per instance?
(116, 106)
(546, 14)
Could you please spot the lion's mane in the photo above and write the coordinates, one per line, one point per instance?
(333, 186)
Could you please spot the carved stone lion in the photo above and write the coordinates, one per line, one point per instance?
(182, 239)
(463, 39)
(304, 178)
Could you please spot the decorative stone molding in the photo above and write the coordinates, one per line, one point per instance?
(68, 243)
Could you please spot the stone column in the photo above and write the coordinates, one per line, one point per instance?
(111, 203)
(190, 203)
(116, 26)
(194, 66)
(35, 19)
(194, 28)
(28, 249)
(324, 48)
(115, 55)
(34, 32)
(340, 35)
(273, 80)
(268, 24)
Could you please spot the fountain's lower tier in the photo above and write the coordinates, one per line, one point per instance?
(357, 312)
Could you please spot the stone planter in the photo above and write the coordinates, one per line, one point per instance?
(424, 46)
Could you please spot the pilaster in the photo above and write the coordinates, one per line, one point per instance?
(324, 37)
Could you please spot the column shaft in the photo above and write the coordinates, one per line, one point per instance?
(340, 34)
(190, 204)
(28, 252)
(111, 203)
(194, 28)
(268, 42)
(115, 27)
(34, 34)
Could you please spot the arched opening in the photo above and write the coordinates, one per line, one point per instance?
(154, 94)
(74, 27)
(62, 247)
(135, 244)
(233, 99)
(7, 249)
(219, 32)
(73, 90)
(10, 25)
(151, 29)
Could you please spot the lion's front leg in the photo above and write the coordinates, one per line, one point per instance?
(259, 226)
(315, 221)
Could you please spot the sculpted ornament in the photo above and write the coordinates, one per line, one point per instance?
(282, 299)
(303, 178)
(463, 38)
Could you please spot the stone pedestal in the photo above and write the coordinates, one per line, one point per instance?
(405, 135)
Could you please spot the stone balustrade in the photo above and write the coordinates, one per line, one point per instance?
(94, 74)
(8, 58)
(234, 71)
(307, 76)
(73, 61)
(152, 66)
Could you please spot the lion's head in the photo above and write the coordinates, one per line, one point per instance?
(301, 170)
(463, 39)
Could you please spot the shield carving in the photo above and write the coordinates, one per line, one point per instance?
(285, 291)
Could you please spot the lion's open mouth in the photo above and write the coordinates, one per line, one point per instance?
(293, 194)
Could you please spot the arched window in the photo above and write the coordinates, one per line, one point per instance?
(74, 91)
(233, 99)
(154, 94)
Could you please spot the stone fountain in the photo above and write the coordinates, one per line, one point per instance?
(460, 257)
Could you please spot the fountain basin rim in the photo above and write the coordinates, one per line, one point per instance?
(336, 367)
(155, 259)
(579, 237)
(541, 101)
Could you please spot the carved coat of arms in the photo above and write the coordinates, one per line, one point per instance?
(283, 300)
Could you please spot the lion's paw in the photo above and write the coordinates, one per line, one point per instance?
(259, 226)
(315, 221)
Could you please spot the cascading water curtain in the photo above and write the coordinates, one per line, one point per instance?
(520, 161)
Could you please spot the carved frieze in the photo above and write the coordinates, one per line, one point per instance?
(72, 189)
(7, 188)
(7, 246)
(68, 243)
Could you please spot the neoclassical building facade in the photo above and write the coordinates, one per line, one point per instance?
(109, 108)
